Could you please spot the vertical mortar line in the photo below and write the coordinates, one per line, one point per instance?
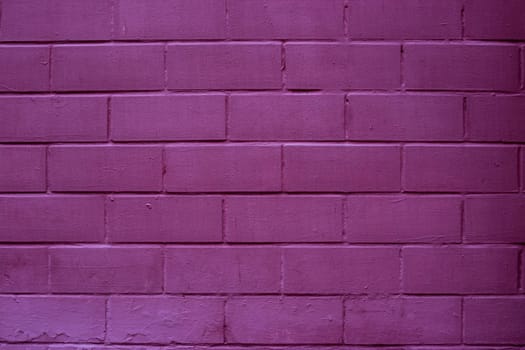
(106, 237)
(402, 65)
(163, 267)
(462, 21)
(106, 313)
(46, 168)
(165, 62)
(345, 116)
(401, 270)
(281, 268)
(49, 290)
(520, 170)
(283, 66)
(343, 301)
(224, 325)
(462, 323)
(402, 167)
(344, 206)
(346, 15)
(522, 67)
(163, 169)
(112, 19)
(227, 20)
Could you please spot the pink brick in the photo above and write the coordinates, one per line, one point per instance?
(341, 168)
(494, 320)
(105, 168)
(25, 346)
(465, 270)
(220, 168)
(106, 270)
(403, 219)
(51, 218)
(55, 119)
(283, 219)
(49, 20)
(374, 117)
(495, 219)
(231, 66)
(286, 117)
(164, 219)
(168, 117)
(24, 68)
(293, 19)
(223, 270)
(52, 319)
(163, 320)
(106, 67)
(489, 19)
(23, 169)
(404, 19)
(333, 66)
(168, 19)
(284, 320)
(460, 168)
(341, 270)
(496, 118)
(461, 67)
(403, 320)
(23, 270)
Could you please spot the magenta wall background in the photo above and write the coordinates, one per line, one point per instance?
(297, 174)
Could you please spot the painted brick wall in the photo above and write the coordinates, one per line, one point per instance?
(293, 174)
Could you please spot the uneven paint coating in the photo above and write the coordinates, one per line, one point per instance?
(262, 175)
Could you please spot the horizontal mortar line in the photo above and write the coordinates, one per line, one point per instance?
(160, 92)
(248, 193)
(255, 142)
(252, 92)
(283, 245)
(516, 295)
(335, 40)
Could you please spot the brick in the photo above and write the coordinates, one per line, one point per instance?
(168, 19)
(23, 270)
(283, 219)
(52, 319)
(151, 319)
(164, 219)
(24, 68)
(403, 320)
(104, 67)
(341, 270)
(223, 270)
(494, 20)
(25, 346)
(106, 270)
(54, 20)
(494, 320)
(465, 270)
(51, 218)
(341, 168)
(284, 320)
(168, 117)
(495, 219)
(460, 168)
(230, 66)
(403, 219)
(495, 118)
(223, 168)
(379, 19)
(105, 168)
(286, 117)
(295, 19)
(333, 66)
(56, 119)
(24, 169)
(461, 67)
(376, 117)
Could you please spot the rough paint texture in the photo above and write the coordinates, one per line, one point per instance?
(262, 175)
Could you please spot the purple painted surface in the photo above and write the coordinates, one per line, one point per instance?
(262, 175)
